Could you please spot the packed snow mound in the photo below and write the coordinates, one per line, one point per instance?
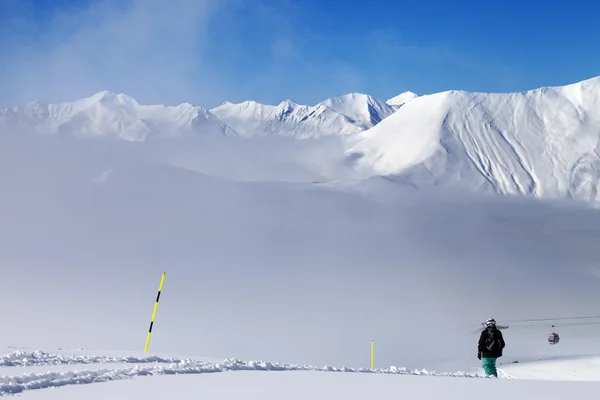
(107, 114)
(402, 99)
(543, 142)
(364, 110)
(287, 119)
(24, 358)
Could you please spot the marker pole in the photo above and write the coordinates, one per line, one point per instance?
(372, 354)
(162, 279)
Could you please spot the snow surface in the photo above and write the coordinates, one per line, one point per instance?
(31, 381)
(91, 376)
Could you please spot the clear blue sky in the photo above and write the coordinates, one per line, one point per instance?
(209, 51)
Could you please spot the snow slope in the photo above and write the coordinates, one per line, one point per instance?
(107, 114)
(543, 142)
(117, 377)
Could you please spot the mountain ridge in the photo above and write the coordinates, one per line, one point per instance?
(134, 121)
(113, 115)
(543, 142)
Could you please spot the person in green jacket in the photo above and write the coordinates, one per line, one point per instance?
(490, 347)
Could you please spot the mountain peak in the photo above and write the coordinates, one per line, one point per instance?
(402, 98)
(288, 103)
(108, 97)
(365, 110)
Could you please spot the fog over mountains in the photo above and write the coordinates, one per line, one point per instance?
(542, 142)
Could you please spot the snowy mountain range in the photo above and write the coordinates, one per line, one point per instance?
(543, 142)
(121, 116)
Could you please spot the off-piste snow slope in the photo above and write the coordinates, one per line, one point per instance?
(74, 374)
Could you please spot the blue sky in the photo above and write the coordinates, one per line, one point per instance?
(209, 51)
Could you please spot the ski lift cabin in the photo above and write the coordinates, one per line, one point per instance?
(553, 338)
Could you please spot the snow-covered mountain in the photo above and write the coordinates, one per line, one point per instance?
(118, 115)
(114, 115)
(364, 110)
(342, 115)
(286, 119)
(543, 142)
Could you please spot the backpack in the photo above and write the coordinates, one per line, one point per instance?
(491, 343)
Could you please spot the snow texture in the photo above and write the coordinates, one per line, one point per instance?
(34, 381)
(34, 358)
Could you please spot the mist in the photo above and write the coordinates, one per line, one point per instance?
(147, 48)
(270, 265)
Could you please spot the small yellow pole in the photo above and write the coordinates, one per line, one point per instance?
(162, 279)
(372, 354)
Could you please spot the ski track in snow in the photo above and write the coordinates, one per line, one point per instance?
(11, 385)
(36, 358)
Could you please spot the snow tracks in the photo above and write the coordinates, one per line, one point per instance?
(130, 367)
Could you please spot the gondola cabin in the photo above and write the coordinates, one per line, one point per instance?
(553, 338)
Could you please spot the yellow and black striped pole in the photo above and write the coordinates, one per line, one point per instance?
(162, 279)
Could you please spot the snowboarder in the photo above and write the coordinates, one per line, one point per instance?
(490, 347)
